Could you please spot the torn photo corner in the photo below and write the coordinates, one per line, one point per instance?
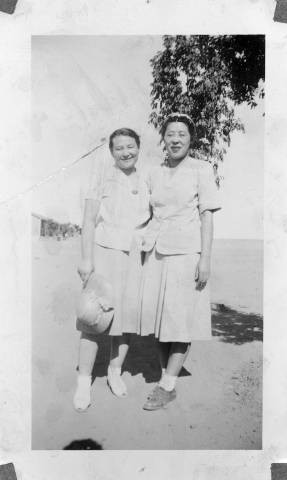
(8, 6)
(280, 14)
(7, 472)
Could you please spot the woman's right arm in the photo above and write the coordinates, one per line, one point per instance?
(87, 239)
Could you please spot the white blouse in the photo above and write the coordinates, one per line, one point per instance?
(178, 196)
(124, 208)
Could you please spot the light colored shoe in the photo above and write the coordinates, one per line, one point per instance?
(82, 397)
(116, 383)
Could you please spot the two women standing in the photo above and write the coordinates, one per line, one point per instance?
(173, 297)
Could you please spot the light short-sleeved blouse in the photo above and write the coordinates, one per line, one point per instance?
(178, 196)
(123, 207)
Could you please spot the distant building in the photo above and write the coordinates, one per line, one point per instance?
(39, 225)
(47, 227)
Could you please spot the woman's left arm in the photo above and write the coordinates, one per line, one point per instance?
(209, 202)
(203, 268)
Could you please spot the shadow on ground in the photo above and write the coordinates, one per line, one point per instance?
(142, 359)
(231, 326)
(236, 327)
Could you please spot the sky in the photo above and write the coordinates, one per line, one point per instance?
(83, 88)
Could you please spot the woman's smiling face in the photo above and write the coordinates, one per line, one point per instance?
(177, 140)
(125, 152)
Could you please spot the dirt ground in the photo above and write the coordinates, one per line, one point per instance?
(219, 401)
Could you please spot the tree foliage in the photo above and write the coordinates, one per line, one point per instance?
(206, 77)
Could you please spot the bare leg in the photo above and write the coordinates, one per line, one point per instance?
(87, 355)
(165, 392)
(119, 349)
(164, 351)
(177, 357)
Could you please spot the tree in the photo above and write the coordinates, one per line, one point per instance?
(206, 77)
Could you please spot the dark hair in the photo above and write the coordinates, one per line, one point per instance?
(179, 117)
(127, 132)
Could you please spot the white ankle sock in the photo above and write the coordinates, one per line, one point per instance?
(116, 382)
(82, 397)
(168, 382)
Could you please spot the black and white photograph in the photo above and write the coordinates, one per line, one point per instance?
(147, 242)
(143, 241)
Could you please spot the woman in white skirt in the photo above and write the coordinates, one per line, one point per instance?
(174, 298)
(115, 207)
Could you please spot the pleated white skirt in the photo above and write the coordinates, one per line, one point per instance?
(170, 305)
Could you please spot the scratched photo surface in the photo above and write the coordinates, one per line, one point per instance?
(82, 90)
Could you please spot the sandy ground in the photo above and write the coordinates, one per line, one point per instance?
(219, 392)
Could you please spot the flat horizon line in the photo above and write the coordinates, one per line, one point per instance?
(240, 238)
